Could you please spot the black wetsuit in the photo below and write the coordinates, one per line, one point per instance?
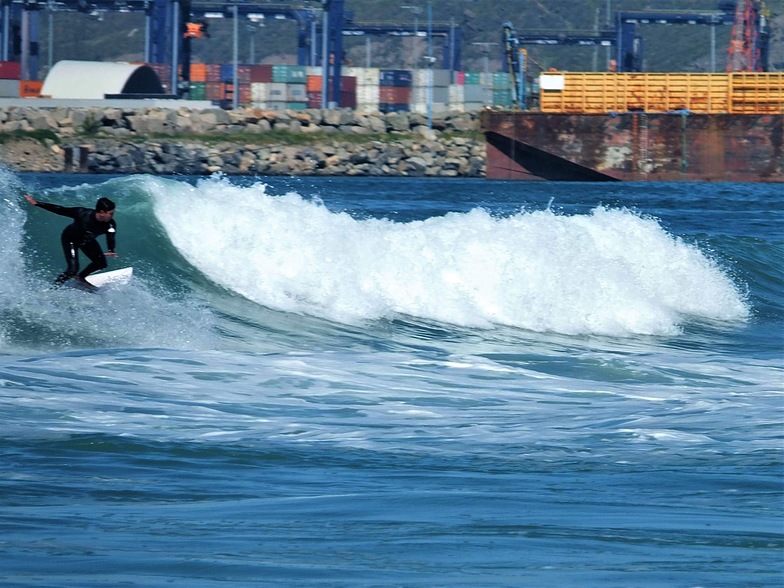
(81, 234)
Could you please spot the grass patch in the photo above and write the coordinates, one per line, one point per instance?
(41, 136)
(288, 138)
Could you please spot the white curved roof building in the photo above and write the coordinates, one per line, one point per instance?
(97, 79)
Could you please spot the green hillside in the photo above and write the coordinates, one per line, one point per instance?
(117, 36)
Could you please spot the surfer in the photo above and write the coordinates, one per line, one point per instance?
(87, 225)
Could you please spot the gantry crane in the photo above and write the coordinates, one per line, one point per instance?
(749, 41)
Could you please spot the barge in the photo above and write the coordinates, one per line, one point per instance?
(643, 127)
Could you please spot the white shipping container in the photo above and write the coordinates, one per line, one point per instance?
(473, 106)
(278, 105)
(277, 91)
(437, 94)
(259, 92)
(367, 106)
(421, 107)
(456, 94)
(366, 76)
(441, 77)
(367, 94)
(296, 93)
(475, 93)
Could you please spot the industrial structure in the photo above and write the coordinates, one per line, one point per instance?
(627, 125)
(171, 25)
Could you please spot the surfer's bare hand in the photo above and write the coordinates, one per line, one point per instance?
(31, 200)
(110, 254)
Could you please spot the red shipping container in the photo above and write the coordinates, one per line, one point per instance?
(245, 95)
(348, 83)
(261, 73)
(215, 90)
(394, 94)
(10, 70)
(460, 78)
(213, 72)
(314, 99)
(348, 99)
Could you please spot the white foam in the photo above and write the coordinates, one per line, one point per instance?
(608, 272)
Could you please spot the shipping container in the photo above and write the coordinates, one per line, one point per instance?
(476, 93)
(10, 70)
(289, 74)
(214, 90)
(277, 92)
(394, 94)
(472, 78)
(198, 91)
(386, 107)
(501, 80)
(261, 73)
(296, 93)
(394, 77)
(213, 72)
(227, 73)
(9, 88)
(366, 76)
(502, 98)
(440, 77)
(456, 94)
(198, 72)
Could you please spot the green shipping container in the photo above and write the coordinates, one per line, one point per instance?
(296, 105)
(473, 78)
(501, 80)
(502, 97)
(198, 91)
(289, 74)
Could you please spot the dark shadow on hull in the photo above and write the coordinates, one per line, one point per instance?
(543, 164)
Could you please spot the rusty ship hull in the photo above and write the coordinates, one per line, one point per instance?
(634, 146)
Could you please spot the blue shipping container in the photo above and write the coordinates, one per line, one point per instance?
(401, 78)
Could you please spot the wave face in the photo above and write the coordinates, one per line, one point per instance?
(213, 257)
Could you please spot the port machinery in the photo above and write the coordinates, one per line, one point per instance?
(748, 49)
(20, 30)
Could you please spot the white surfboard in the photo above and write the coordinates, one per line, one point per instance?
(112, 278)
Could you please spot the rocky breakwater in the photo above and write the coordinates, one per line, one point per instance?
(243, 141)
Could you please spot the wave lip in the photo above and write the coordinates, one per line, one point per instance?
(611, 272)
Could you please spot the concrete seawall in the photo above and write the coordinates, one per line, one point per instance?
(245, 141)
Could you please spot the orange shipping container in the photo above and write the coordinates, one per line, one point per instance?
(313, 84)
(198, 72)
(30, 88)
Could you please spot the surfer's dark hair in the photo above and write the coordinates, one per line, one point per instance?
(104, 205)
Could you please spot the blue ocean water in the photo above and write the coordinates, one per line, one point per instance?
(395, 382)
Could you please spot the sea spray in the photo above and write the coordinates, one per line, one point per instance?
(611, 272)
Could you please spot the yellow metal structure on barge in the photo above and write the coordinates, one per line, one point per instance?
(643, 126)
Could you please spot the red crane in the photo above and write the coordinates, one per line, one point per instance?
(744, 53)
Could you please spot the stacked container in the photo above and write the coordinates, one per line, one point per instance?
(475, 95)
(440, 88)
(394, 90)
(10, 74)
(278, 87)
(367, 87)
